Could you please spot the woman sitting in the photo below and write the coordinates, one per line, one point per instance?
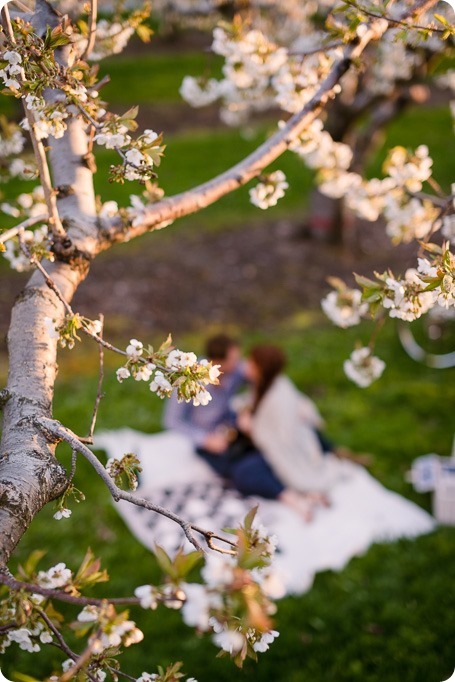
(284, 425)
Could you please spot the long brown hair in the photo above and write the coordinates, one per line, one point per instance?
(270, 361)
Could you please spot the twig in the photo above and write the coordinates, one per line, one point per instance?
(79, 663)
(14, 231)
(99, 394)
(7, 627)
(392, 21)
(91, 28)
(315, 50)
(436, 186)
(63, 645)
(122, 674)
(73, 467)
(440, 202)
(21, 6)
(379, 324)
(40, 155)
(50, 593)
(53, 427)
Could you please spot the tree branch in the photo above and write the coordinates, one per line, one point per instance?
(206, 194)
(392, 21)
(49, 593)
(91, 29)
(62, 644)
(14, 231)
(58, 431)
(40, 155)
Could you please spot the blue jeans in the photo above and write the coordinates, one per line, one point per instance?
(249, 473)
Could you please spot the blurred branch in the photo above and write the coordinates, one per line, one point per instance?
(91, 29)
(14, 231)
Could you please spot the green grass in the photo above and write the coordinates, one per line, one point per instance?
(193, 157)
(154, 78)
(388, 616)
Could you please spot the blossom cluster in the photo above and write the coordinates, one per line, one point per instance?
(124, 469)
(26, 204)
(171, 674)
(27, 638)
(12, 144)
(406, 298)
(269, 190)
(222, 603)
(111, 38)
(11, 70)
(233, 602)
(392, 62)
(431, 284)
(363, 367)
(170, 370)
(140, 156)
(49, 120)
(66, 332)
(407, 216)
(344, 307)
(37, 245)
(134, 213)
(250, 62)
(30, 71)
(258, 74)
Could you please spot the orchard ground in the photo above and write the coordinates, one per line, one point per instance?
(390, 615)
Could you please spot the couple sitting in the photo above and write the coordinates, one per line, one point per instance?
(271, 446)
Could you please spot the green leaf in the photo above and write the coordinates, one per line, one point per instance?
(30, 565)
(144, 33)
(366, 282)
(131, 114)
(431, 248)
(442, 20)
(184, 563)
(370, 295)
(337, 283)
(433, 285)
(165, 562)
(249, 518)
(89, 571)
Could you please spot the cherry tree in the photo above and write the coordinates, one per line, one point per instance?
(264, 51)
(48, 62)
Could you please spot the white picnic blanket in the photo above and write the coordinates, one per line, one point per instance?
(363, 511)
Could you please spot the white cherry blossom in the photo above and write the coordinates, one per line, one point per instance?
(363, 368)
(134, 349)
(344, 308)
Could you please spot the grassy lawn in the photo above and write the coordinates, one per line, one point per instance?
(388, 616)
(154, 78)
(193, 157)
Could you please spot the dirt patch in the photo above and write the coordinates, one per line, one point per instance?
(251, 278)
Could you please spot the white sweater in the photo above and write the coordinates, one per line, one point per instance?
(283, 429)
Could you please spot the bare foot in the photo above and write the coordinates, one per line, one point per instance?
(299, 502)
(321, 499)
